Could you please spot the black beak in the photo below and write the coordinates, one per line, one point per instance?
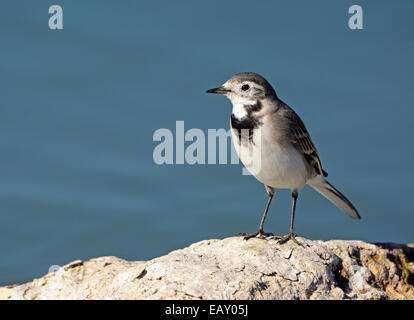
(220, 90)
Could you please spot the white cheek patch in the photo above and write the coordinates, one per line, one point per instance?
(239, 111)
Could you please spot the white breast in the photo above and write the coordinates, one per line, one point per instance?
(270, 163)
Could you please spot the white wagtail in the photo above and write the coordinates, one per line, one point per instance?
(288, 157)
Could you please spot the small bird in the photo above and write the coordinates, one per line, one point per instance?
(273, 144)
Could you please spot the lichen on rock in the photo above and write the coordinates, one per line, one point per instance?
(233, 268)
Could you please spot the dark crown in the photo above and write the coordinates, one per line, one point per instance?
(256, 78)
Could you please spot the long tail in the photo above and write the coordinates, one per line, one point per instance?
(333, 195)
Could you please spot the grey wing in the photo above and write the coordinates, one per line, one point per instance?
(303, 142)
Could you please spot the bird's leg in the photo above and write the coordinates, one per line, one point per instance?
(291, 235)
(260, 233)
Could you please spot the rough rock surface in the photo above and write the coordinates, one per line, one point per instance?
(236, 269)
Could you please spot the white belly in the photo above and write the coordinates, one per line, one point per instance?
(271, 164)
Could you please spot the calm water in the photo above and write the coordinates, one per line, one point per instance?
(79, 107)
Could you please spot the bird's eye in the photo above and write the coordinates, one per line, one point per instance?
(245, 87)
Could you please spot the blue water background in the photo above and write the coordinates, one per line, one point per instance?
(79, 107)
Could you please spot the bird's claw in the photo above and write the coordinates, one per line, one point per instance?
(259, 234)
(286, 238)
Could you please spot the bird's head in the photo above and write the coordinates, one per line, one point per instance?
(245, 88)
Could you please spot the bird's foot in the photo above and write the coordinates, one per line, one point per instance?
(259, 234)
(286, 238)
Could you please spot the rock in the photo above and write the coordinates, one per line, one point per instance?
(233, 268)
